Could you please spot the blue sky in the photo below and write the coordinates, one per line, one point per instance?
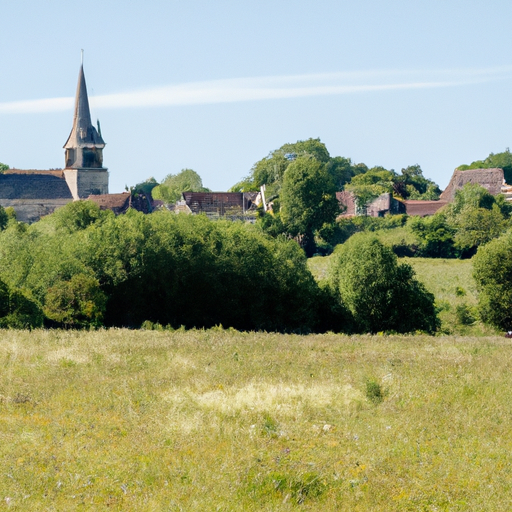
(216, 85)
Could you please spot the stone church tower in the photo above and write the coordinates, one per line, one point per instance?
(84, 171)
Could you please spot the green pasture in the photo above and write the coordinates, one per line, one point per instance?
(222, 420)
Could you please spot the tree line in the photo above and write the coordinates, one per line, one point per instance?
(301, 181)
(81, 267)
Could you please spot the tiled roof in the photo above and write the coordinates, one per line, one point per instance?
(118, 203)
(218, 202)
(41, 185)
(52, 172)
(422, 208)
(491, 179)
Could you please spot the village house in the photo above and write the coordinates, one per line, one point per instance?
(231, 205)
(491, 179)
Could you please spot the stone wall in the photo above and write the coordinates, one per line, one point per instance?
(86, 182)
(31, 210)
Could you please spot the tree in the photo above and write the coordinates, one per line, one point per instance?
(370, 185)
(477, 226)
(4, 299)
(269, 171)
(342, 170)
(17, 310)
(3, 167)
(312, 147)
(492, 270)
(308, 200)
(145, 187)
(381, 294)
(4, 218)
(24, 312)
(435, 235)
(78, 302)
(76, 216)
(411, 184)
(476, 216)
(174, 185)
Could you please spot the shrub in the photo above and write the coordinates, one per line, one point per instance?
(381, 294)
(492, 270)
(78, 302)
(374, 391)
(77, 215)
(464, 314)
(435, 235)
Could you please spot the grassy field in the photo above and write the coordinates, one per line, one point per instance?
(220, 420)
(451, 282)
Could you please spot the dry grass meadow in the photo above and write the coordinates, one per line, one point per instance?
(219, 420)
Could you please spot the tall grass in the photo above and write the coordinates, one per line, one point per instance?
(222, 420)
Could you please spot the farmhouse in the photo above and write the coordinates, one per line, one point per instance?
(491, 179)
(219, 204)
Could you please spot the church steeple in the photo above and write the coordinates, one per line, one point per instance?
(84, 172)
(84, 147)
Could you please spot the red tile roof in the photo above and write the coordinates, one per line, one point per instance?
(422, 208)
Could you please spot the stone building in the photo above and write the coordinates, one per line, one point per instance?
(491, 179)
(229, 205)
(35, 193)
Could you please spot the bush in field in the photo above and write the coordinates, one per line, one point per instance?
(78, 302)
(380, 293)
(492, 270)
(435, 236)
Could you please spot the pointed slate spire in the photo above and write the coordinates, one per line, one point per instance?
(84, 145)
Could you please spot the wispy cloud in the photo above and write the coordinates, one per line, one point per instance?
(268, 88)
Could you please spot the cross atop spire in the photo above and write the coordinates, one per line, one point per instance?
(84, 144)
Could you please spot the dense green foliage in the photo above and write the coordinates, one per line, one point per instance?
(435, 236)
(145, 187)
(380, 293)
(492, 266)
(17, 309)
(308, 200)
(4, 218)
(473, 218)
(174, 185)
(366, 187)
(83, 267)
(410, 184)
(3, 167)
(269, 171)
(88, 267)
(365, 183)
